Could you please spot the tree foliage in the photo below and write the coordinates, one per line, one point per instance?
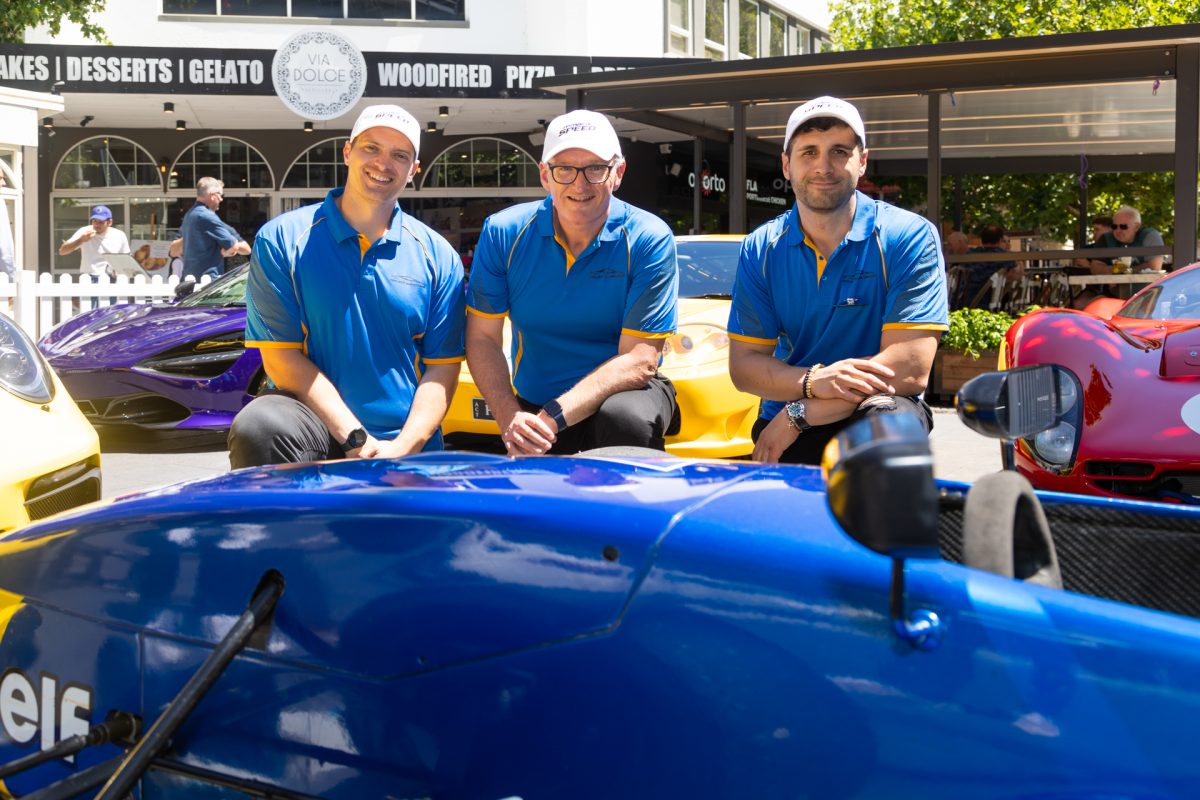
(16, 16)
(1046, 204)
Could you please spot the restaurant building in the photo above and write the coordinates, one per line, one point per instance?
(262, 93)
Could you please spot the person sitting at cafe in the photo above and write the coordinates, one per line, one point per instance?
(992, 239)
(1128, 231)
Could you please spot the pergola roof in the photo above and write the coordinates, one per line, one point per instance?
(1105, 101)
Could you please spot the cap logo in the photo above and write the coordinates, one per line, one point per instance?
(575, 127)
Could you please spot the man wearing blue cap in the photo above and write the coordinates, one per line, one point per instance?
(357, 309)
(838, 304)
(95, 241)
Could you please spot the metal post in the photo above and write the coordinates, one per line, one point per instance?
(1187, 152)
(697, 193)
(1084, 217)
(933, 182)
(737, 171)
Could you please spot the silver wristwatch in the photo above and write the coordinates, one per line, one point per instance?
(796, 411)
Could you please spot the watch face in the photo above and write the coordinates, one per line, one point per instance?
(357, 438)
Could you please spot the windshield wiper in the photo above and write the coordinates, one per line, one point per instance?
(709, 297)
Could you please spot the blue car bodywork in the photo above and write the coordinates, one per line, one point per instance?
(457, 625)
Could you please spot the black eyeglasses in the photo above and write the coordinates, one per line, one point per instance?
(1122, 226)
(592, 173)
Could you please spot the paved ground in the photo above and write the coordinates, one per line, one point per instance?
(139, 460)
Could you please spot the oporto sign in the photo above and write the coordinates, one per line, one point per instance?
(319, 75)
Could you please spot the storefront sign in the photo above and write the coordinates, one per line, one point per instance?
(319, 74)
(312, 68)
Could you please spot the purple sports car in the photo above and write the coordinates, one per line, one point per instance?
(183, 365)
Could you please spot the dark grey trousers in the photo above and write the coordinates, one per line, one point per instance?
(276, 428)
(636, 418)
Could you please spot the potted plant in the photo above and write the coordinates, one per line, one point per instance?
(971, 346)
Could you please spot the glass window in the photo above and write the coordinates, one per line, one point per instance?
(106, 161)
(254, 8)
(482, 163)
(189, 6)
(328, 9)
(797, 38)
(236, 163)
(714, 30)
(679, 27)
(748, 29)
(775, 40)
(441, 9)
(318, 167)
(379, 9)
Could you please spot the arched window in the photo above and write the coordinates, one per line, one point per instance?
(105, 162)
(482, 163)
(318, 167)
(232, 161)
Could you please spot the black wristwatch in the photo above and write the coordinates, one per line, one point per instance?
(554, 411)
(796, 411)
(356, 439)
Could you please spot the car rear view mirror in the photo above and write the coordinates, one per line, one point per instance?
(1015, 403)
(879, 480)
(879, 474)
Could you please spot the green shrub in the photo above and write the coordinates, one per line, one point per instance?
(974, 330)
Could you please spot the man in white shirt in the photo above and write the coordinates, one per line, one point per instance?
(96, 241)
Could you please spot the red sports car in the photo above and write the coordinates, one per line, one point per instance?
(1131, 426)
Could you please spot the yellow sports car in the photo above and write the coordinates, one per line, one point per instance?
(51, 454)
(715, 417)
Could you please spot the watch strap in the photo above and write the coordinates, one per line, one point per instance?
(554, 411)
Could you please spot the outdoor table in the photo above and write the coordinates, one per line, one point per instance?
(1126, 280)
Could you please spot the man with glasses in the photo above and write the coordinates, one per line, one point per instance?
(590, 285)
(1127, 231)
(204, 238)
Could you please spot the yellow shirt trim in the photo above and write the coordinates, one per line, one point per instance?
(644, 335)
(486, 315)
(751, 339)
(566, 250)
(276, 345)
(454, 360)
(915, 326)
(821, 260)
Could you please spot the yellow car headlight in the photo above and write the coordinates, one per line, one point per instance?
(22, 369)
(696, 343)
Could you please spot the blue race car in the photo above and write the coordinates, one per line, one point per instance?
(457, 625)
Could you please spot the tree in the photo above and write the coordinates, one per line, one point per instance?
(1047, 204)
(20, 15)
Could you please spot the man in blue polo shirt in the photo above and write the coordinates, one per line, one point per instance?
(204, 237)
(590, 285)
(838, 304)
(357, 309)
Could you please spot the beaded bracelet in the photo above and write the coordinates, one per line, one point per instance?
(806, 385)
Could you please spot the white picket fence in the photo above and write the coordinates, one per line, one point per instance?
(39, 301)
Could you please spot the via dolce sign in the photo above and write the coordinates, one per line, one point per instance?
(319, 74)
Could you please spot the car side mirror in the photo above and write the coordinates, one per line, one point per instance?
(1019, 403)
(183, 289)
(879, 481)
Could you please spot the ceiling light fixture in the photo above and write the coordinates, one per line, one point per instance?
(83, 123)
(443, 111)
(47, 122)
(180, 125)
(431, 127)
(308, 127)
(168, 108)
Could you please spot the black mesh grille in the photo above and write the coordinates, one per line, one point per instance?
(1130, 556)
(66, 489)
(1121, 469)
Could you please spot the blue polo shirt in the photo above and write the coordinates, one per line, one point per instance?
(205, 235)
(368, 314)
(888, 273)
(567, 313)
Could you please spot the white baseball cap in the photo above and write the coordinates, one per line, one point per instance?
(825, 107)
(586, 130)
(393, 117)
